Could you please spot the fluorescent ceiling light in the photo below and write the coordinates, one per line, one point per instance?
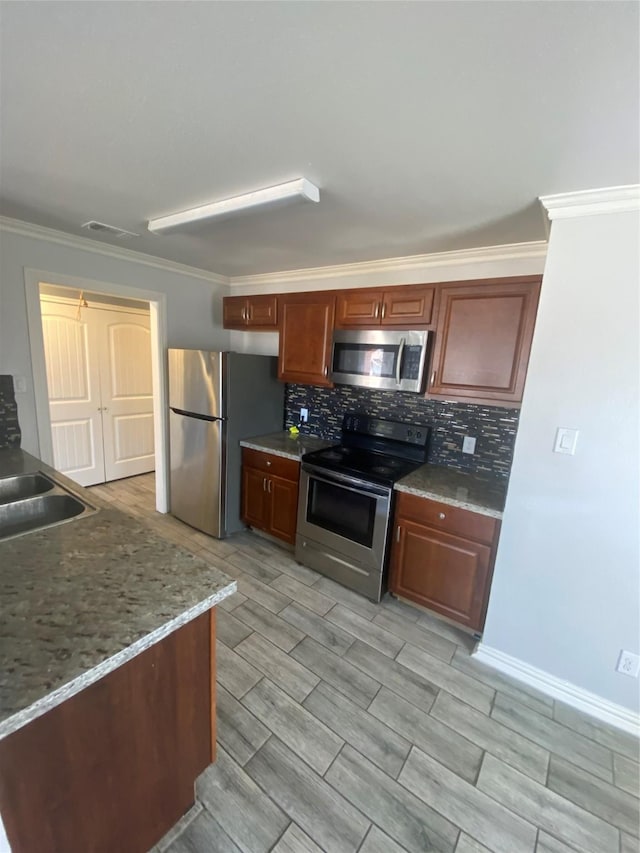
(300, 187)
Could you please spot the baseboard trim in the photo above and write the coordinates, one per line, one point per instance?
(616, 715)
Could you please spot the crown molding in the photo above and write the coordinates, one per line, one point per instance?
(407, 264)
(591, 202)
(399, 266)
(51, 235)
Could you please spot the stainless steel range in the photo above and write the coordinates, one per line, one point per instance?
(346, 500)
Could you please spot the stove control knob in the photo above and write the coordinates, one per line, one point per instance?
(418, 435)
(409, 432)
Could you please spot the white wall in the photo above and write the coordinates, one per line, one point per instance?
(565, 595)
(194, 305)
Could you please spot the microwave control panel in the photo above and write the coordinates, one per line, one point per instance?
(411, 362)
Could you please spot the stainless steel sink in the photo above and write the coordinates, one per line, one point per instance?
(24, 486)
(30, 502)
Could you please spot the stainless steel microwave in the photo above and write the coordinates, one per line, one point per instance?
(377, 358)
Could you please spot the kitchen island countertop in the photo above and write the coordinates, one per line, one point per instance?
(456, 488)
(81, 598)
(287, 445)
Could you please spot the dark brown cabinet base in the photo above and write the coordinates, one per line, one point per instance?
(113, 767)
(270, 493)
(442, 558)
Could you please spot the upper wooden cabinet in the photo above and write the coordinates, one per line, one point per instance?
(408, 307)
(306, 333)
(483, 339)
(250, 312)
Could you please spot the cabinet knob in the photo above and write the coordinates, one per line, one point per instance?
(326, 370)
(442, 515)
(269, 486)
(264, 484)
(384, 309)
(433, 378)
(377, 311)
(268, 462)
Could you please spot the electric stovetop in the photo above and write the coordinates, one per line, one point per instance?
(368, 465)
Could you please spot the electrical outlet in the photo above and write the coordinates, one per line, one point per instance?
(20, 384)
(468, 444)
(628, 664)
(304, 416)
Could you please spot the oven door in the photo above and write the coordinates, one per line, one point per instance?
(347, 515)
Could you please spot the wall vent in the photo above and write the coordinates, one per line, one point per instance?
(103, 228)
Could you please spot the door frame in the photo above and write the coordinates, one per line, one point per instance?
(158, 321)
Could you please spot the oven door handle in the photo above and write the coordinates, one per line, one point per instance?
(399, 362)
(347, 483)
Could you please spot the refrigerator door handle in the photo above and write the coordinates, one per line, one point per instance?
(195, 415)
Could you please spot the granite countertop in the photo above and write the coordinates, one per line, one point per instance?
(287, 445)
(457, 488)
(81, 598)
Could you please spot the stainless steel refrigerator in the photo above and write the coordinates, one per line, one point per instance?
(215, 400)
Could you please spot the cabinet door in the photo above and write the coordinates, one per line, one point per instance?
(306, 331)
(483, 340)
(234, 312)
(283, 507)
(358, 308)
(262, 312)
(399, 307)
(445, 573)
(255, 498)
(407, 306)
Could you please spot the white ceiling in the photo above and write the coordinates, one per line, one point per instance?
(428, 126)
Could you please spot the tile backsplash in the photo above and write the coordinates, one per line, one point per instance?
(9, 428)
(494, 427)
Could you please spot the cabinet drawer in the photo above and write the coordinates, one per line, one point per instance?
(451, 519)
(279, 466)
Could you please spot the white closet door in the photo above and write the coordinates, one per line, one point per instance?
(127, 394)
(73, 379)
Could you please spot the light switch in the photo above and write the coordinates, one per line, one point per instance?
(566, 440)
(20, 384)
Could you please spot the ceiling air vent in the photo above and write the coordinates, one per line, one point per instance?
(112, 230)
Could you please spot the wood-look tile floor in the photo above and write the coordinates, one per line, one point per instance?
(349, 726)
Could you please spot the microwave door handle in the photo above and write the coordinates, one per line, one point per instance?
(399, 363)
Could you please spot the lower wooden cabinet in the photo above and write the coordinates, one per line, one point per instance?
(270, 493)
(442, 558)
